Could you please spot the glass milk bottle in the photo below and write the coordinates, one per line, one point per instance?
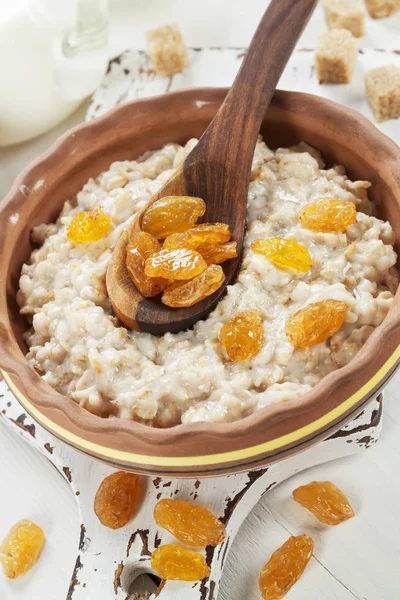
(53, 54)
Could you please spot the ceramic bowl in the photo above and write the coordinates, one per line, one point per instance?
(197, 449)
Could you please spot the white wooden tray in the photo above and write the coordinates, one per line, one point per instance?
(109, 561)
(131, 76)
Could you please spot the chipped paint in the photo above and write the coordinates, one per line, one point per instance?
(157, 540)
(207, 584)
(67, 473)
(212, 590)
(231, 503)
(48, 448)
(82, 537)
(74, 579)
(366, 441)
(20, 422)
(144, 537)
(84, 541)
(115, 61)
(227, 545)
(160, 588)
(117, 577)
(270, 486)
(374, 422)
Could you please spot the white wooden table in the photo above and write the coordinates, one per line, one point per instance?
(359, 560)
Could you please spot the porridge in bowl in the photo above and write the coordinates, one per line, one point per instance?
(78, 346)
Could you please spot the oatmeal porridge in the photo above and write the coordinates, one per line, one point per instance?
(78, 347)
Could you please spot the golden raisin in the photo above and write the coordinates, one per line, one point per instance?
(147, 244)
(328, 214)
(195, 290)
(174, 562)
(242, 336)
(20, 549)
(202, 237)
(285, 567)
(219, 254)
(172, 214)
(144, 246)
(116, 499)
(191, 525)
(315, 323)
(175, 264)
(284, 254)
(88, 226)
(325, 501)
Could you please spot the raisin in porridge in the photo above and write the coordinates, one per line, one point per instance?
(78, 347)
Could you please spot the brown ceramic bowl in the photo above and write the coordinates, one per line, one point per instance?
(279, 430)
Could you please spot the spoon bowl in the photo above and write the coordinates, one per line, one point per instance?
(218, 168)
(149, 314)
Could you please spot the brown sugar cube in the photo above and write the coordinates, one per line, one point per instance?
(167, 50)
(378, 9)
(335, 56)
(382, 89)
(345, 14)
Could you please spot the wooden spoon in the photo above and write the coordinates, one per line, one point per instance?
(218, 169)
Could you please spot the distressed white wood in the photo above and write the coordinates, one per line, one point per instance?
(131, 77)
(240, 580)
(101, 552)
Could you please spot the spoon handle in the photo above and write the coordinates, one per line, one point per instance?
(230, 139)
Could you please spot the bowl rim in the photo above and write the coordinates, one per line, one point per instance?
(57, 411)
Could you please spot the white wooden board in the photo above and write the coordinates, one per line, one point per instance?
(108, 561)
(131, 77)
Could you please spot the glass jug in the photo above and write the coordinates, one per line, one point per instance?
(53, 54)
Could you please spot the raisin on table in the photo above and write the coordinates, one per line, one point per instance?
(21, 548)
(191, 525)
(175, 264)
(242, 336)
(88, 226)
(285, 567)
(195, 290)
(117, 498)
(326, 502)
(201, 237)
(284, 254)
(174, 562)
(328, 215)
(138, 250)
(315, 323)
(172, 214)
